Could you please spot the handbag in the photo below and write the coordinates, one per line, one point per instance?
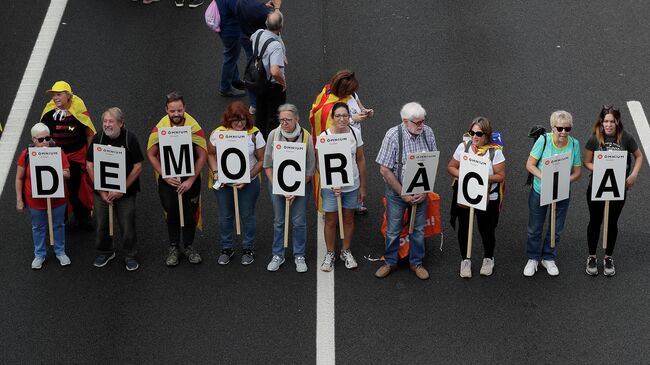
(212, 17)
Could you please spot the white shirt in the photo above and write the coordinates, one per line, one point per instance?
(498, 158)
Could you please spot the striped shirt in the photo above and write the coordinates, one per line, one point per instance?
(387, 155)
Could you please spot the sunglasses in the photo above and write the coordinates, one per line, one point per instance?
(479, 134)
(562, 129)
(608, 108)
(41, 139)
(418, 123)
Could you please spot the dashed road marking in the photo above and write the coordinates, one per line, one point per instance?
(641, 124)
(325, 326)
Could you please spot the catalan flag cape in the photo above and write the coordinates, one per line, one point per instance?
(78, 110)
(320, 118)
(251, 132)
(198, 138)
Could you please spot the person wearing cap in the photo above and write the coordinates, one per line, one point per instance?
(189, 187)
(72, 129)
(37, 207)
(115, 134)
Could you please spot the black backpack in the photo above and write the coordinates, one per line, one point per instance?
(535, 133)
(255, 76)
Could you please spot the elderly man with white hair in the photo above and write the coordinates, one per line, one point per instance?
(410, 136)
(115, 134)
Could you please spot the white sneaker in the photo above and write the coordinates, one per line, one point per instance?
(275, 263)
(64, 260)
(487, 267)
(466, 268)
(301, 266)
(38, 262)
(531, 268)
(328, 262)
(350, 262)
(551, 268)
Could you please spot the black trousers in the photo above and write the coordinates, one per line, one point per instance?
(169, 199)
(266, 112)
(81, 212)
(487, 223)
(596, 215)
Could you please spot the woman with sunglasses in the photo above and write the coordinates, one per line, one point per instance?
(38, 206)
(238, 118)
(555, 143)
(608, 135)
(481, 144)
(351, 196)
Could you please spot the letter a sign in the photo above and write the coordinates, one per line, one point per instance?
(232, 156)
(473, 183)
(335, 161)
(46, 170)
(176, 151)
(109, 168)
(289, 168)
(608, 179)
(420, 172)
(556, 173)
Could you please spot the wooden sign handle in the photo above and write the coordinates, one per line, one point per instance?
(605, 224)
(110, 220)
(49, 221)
(553, 225)
(286, 223)
(340, 209)
(180, 209)
(470, 232)
(237, 222)
(414, 208)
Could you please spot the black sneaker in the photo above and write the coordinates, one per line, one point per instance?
(226, 255)
(239, 84)
(232, 93)
(179, 3)
(103, 259)
(609, 266)
(131, 264)
(247, 257)
(192, 255)
(592, 266)
(172, 256)
(195, 3)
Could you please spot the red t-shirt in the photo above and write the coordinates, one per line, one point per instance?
(40, 203)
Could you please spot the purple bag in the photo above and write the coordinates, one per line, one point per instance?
(212, 17)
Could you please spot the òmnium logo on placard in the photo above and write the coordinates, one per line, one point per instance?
(221, 136)
(278, 146)
(99, 149)
(465, 158)
(163, 132)
(547, 162)
(34, 153)
(322, 140)
(411, 157)
(600, 156)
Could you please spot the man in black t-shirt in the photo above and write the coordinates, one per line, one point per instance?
(115, 134)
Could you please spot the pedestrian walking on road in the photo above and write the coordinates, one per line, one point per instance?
(188, 187)
(237, 118)
(231, 83)
(190, 3)
(608, 135)
(37, 207)
(481, 144)
(114, 133)
(551, 144)
(410, 136)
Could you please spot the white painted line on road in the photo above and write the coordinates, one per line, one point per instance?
(325, 342)
(25, 95)
(641, 124)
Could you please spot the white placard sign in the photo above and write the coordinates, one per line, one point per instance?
(335, 161)
(556, 173)
(46, 171)
(232, 156)
(109, 168)
(176, 151)
(608, 179)
(289, 160)
(473, 184)
(420, 172)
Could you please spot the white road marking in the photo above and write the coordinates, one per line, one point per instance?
(641, 124)
(25, 95)
(325, 326)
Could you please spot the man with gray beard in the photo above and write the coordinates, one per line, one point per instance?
(115, 134)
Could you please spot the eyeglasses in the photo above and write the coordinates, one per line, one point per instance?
(562, 129)
(479, 134)
(418, 123)
(241, 121)
(285, 120)
(41, 139)
(344, 116)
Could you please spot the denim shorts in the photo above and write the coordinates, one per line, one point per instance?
(348, 200)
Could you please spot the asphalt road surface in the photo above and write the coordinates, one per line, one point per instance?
(514, 62)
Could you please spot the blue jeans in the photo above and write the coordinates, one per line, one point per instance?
(395, 208)
(536, 218)
(40, 233)
(229, 69)
(226, 203)
(247, 45)
(298, 216)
